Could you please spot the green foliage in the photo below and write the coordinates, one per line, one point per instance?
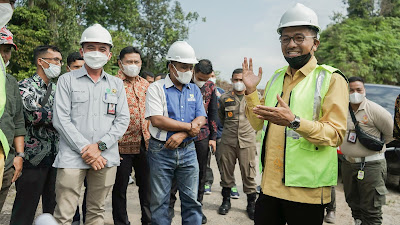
(160, 24)
(390, 8)
(364, 47)
(29, 26)
(360, 8)
(151, 25)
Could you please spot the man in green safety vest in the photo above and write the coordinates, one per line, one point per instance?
(303, 120)
(6, 11)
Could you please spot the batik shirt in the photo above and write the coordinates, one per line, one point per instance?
(209, 130)
(41, 140)
(138, 125)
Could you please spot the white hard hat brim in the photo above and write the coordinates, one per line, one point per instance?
(95, 41)
(297, 24)
(187, 61)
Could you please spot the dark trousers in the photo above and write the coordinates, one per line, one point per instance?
(332, 205)
(209, 172)
(202, 152)
(77, 216)
(141, 166)
(275, 211)
(33, 183)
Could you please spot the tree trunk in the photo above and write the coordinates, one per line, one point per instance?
(31, 3)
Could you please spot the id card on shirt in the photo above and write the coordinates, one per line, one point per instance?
(111, 108)
(352, 138)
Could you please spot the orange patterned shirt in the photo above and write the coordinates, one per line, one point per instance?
(138, 125)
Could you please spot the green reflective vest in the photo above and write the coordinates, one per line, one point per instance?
(3, 138)
(305, 164)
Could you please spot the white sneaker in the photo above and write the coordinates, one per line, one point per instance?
(131, 181)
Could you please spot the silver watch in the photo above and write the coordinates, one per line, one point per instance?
(295, 123)
(20, 154)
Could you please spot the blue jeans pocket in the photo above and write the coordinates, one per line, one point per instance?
(155, 146)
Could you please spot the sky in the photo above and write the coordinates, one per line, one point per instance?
(235, 29)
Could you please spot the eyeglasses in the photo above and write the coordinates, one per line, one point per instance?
(297, 39)
(56, 60)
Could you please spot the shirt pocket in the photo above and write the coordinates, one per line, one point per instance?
(79, 103)
(109, 108)
(231, 112)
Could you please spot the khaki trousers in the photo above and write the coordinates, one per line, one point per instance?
(247, 165)
(68, 189)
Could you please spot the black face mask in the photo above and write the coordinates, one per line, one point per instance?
(298, 61)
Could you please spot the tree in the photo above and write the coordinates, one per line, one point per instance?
(160, 24)
(29, 26)
(152, 25)
(364, 47)
(360, 8)
(390, 8)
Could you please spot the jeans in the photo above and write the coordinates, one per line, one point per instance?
(165, 164)
(202, 151)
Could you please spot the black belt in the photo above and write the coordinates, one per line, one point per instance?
(182, 145)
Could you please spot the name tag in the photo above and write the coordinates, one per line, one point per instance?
(352, 138)
(111, 108)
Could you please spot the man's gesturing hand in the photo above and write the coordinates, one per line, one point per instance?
(249, 78)
(281, 115)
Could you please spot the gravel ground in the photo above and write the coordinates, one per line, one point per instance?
(237, 214)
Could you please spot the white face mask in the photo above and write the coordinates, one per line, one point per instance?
(356, 98)
(130, 70)
(213, 79)
(200, 84)
(183, 77)
(95, 59)
(238, 86)
(53, 71)
(6, 12)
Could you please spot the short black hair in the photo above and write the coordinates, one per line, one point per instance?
(146, 73)
(354, 79)
(236, 71)
(42, 49)
(128, 50)
(73, 57)
(204, 66)
(162, 75)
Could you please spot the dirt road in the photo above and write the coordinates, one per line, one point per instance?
(237, 215)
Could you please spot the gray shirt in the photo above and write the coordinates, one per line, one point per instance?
(86, 112)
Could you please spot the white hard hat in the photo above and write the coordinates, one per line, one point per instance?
(299, 15)
(181, 51)
(96, 33)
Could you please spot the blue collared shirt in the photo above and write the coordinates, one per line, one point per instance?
(86, 112)
(164, 99)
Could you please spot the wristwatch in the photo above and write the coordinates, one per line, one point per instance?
(295, 123)
(102, 145)
(20, 154)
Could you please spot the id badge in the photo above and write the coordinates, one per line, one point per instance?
(352, 138)
(111, 108)
(360, 175)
